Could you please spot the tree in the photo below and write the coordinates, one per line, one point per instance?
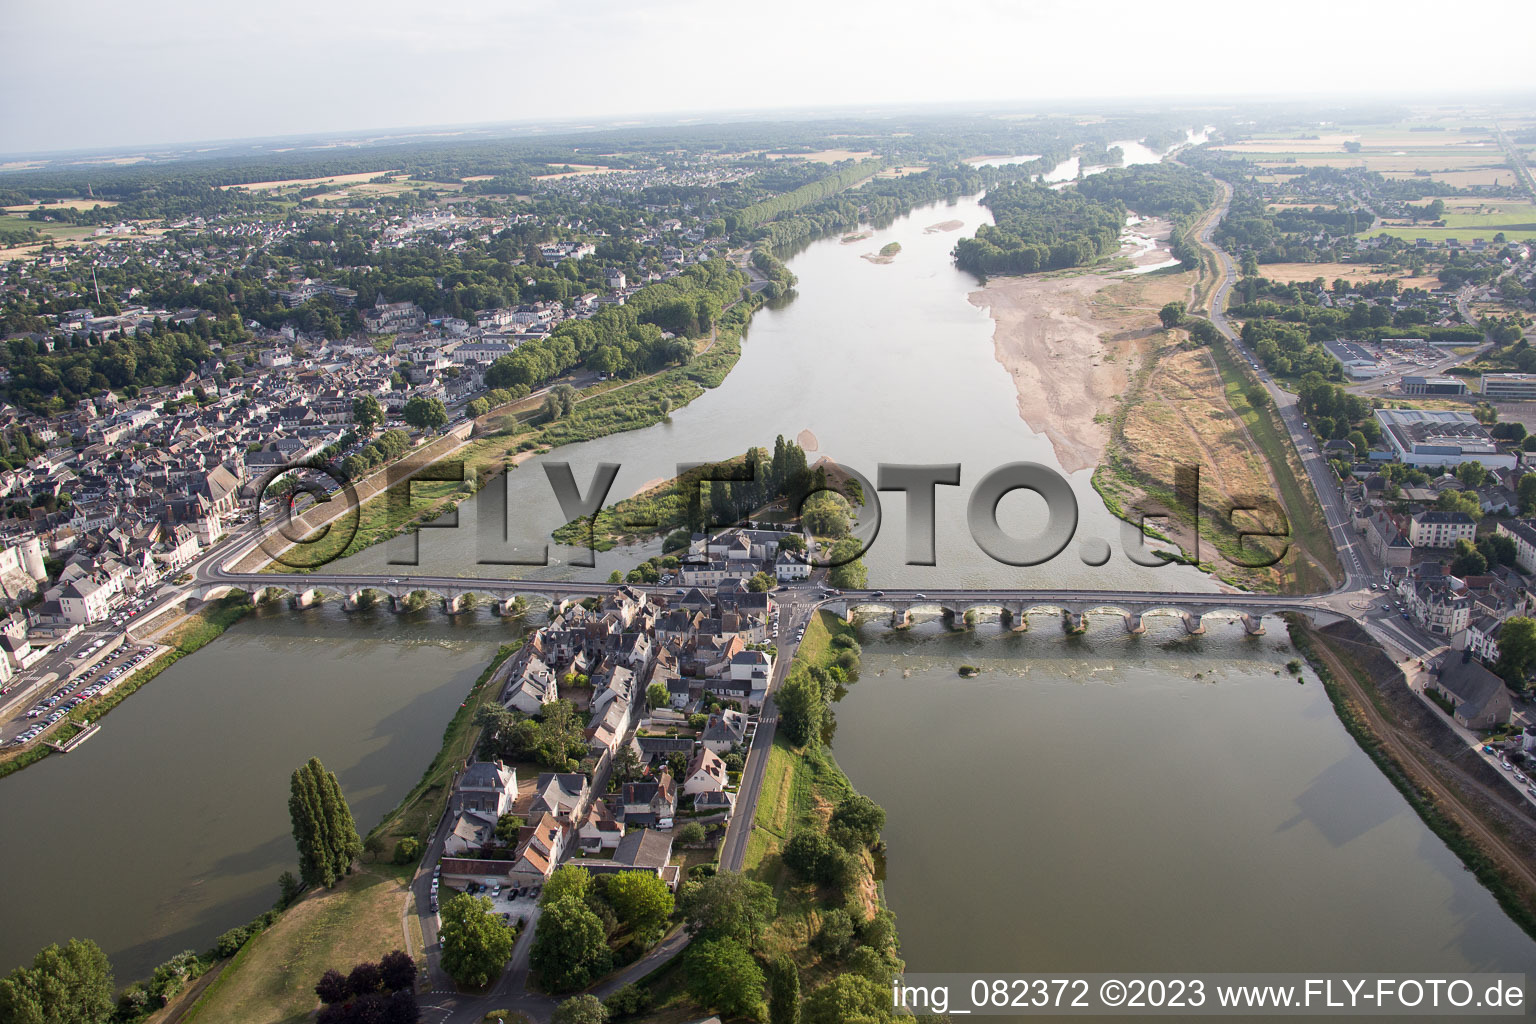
(1172, 314)
(69, 984)
(816, 858)
(323, 828)
(1498, 549)
(856, 821)
(783, 991)
(626, 764)
(560, 401)
(760, 583)
(1468, 561)
(656, 695)
(836, 937)
(847, 572)
(332, 987)
(1517, 649)
(477, 407)
(1471, 474)
(582, 1009)
(802, 708)
(641, 900)
(397, 971)
(506, 828)
(364, 979)
(1527, 494)
(570, 881)
(476, 943)
(1460, 501)
(691, 834)
(729, 905)
(367, 413)
(722, 976)
(630, 1001)
(288, 888)
(849, 997)
(1257, 396)
(425, 413)
(570, 948)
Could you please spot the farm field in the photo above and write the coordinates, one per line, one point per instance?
(1461, 234)
(338, 179)
(1352, 272)
(825, 156)
(62, 204)
(1453, 156)
(579, 171)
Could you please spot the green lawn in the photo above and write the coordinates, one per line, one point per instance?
(272, 980)
(1462, 234)
(1306, 515)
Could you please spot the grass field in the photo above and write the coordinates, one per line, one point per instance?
(1466, 219)
(62, 204)
(1307, 526)
(790, 779)
(1180, 415)
(335, 179)
(1354, 273)
(1462, 234)
(272, 980)
(825, 156)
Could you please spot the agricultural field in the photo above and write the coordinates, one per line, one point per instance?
(825, 156)
(578, 171)
(1469, 218)
(339, 179)
(1354, 273)
(1456, 157)
(62, 204)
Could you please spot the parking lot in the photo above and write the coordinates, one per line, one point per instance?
(62, 698)
(513, 903)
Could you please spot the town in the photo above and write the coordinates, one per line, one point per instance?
(634, 813)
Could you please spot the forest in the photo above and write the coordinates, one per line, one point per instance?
(49, 382)
(1041, 228)
(629, 339)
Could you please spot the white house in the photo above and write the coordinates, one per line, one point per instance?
(791, 565)
(705, 774)
(531, 687)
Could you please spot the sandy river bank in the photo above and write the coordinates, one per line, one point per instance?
(1067, 342)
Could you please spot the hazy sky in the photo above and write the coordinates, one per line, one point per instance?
(94, 73)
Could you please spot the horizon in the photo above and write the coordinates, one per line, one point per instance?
(386, 75)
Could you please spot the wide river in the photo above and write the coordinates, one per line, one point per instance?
(1106, 802)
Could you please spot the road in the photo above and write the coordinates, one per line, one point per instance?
(1352, 557)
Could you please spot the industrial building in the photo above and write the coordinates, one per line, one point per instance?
(1431, 437)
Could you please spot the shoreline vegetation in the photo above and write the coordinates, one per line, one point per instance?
(512, 438)
(762, 492)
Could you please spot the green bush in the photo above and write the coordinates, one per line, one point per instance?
(407, 850)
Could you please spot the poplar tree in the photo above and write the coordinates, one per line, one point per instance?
(784, 992)
(323, 829)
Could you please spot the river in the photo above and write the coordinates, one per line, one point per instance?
(1154, 803)
(1083, 803)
